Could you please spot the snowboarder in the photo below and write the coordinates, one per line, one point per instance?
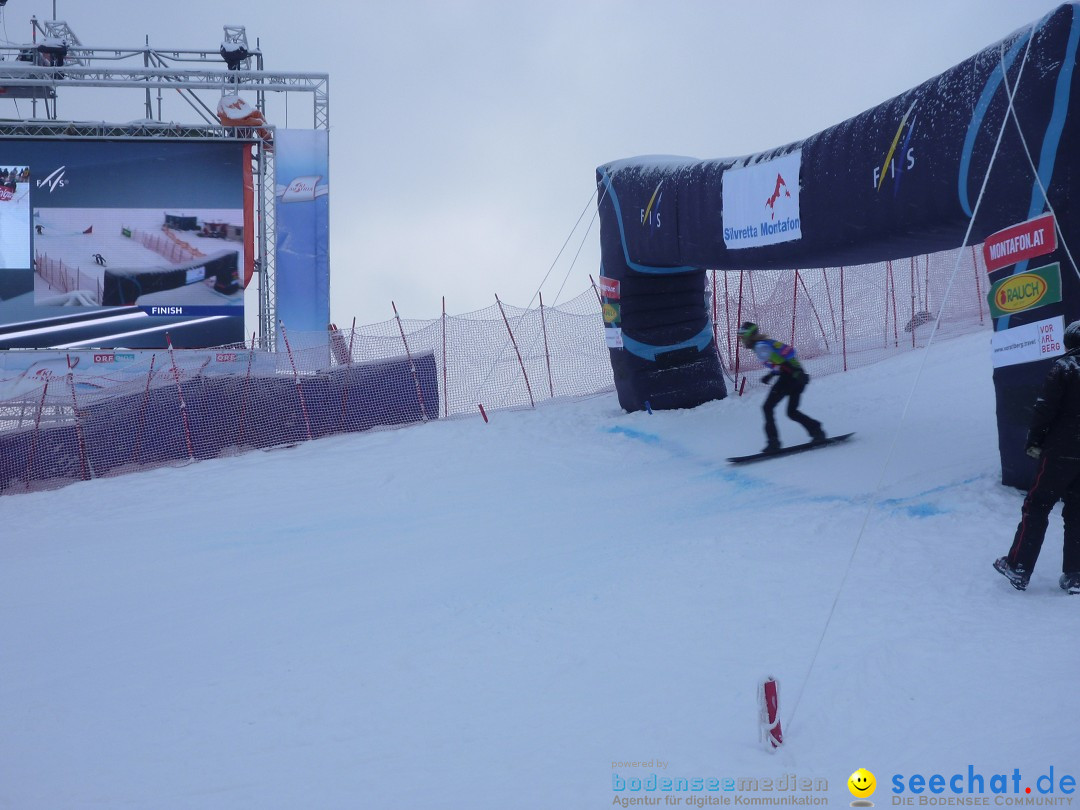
(99, 259)
(791, 379)
(1054, 440)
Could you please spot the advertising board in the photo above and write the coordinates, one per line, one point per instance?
(114, 243)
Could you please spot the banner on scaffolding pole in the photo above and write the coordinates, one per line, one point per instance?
(303, 234)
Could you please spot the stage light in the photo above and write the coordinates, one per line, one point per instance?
(234, 54)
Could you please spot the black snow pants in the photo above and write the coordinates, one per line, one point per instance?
(787, 385)
(1056, 479)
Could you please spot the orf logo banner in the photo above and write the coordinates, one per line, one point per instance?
(761, 203)
(303, 230)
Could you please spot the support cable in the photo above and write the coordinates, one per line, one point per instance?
(911, 392)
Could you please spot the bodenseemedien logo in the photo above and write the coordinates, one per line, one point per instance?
(862, 785)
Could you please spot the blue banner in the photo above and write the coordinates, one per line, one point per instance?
(303, 229)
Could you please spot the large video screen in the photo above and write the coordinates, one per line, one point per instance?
(124, 243)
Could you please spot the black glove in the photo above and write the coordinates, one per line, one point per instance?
(1033, 450)
(768, 378)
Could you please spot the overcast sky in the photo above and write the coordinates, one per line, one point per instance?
(464, 135)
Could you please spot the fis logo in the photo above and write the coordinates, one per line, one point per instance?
(897, 161)
(650, 214)
(780, 190)
(54, 180)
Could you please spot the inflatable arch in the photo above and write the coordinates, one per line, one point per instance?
(987, 152)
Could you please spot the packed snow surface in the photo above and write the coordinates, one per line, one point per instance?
(523, 613)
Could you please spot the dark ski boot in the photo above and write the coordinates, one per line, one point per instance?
(1017, 576)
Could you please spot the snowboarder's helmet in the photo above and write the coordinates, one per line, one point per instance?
(748, 333)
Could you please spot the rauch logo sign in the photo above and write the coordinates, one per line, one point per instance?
(1029, 290)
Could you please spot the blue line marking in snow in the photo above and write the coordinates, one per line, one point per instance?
(639, 435)
(925, 510)
(914, 505)
(675, 450)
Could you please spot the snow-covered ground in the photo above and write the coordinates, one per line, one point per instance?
(524, 614)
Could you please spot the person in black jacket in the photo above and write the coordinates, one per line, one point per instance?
(791, 379)
(1053, 439)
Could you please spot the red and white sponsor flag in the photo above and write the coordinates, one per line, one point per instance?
(610, 288)
(1020, 242)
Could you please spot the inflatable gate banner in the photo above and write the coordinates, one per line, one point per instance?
(984, 153)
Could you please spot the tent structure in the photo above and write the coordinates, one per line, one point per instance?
(984, 153)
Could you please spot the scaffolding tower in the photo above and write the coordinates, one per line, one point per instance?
(56, 58)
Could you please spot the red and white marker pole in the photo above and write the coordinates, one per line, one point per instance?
(769, 704)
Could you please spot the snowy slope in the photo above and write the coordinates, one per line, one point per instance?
(470, 615)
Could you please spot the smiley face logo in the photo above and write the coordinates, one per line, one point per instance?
(862, 784)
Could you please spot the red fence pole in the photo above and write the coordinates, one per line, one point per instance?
(37, 428)
(727, 316)
(885, 325)
(738, 320)
(180, 396)
(843, 319)
(243, 392)
(978, 282)
(828, 297)
(296, 377)
(890, 288)
(412, 365)
(84, 467)
(521, 362)
(547, 354)
(345, 389)
(895, 313)
(794, 306)
(926, 282)
(715, 326)
(142, 411)
(912, 321)
(445, 384)
(813, 309)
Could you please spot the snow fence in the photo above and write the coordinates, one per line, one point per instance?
(71, 416)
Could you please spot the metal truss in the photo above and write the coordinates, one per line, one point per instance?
(268, 259)
(143, 129)
(47, 80)
(31, 72)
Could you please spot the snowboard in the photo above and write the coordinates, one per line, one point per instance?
(791, 449)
